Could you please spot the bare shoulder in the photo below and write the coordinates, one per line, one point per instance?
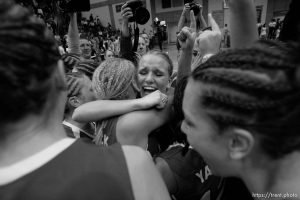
(136, 155)
(145, 179)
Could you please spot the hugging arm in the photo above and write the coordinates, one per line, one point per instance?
(133, 128)
(103, 109)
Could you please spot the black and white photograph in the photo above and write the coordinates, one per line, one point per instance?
(149, 99)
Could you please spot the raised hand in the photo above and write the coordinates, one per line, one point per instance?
(209, 41)
(126, 13)
(186, 9)
(201, 8)
(187, 35)
(155, 99)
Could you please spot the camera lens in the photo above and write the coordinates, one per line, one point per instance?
(142, 15)
(195, 8)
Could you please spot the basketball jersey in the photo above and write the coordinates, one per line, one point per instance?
(193, 176)
(82, 171)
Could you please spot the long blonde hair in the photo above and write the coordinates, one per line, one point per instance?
(111, 81)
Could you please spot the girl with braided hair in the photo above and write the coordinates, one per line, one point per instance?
(37, 159)
(185, 172)
(115, 80)
(242, 115)
(112, 80)
(153, 75)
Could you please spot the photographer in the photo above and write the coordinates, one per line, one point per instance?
(197, 8)
(126, 46)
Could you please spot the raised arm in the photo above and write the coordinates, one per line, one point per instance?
(125, 40)
(103, 109)
(126, 13)
(203, 22)
(73, 35)
(186, 9)
(214, 26)
(242, 24)
(186, 39)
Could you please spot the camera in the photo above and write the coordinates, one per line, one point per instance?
(140, 14)
(194, 7)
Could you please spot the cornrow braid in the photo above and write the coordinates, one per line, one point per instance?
(29, 56)
(247, 59)
(252, 81)
(74, 83)
(256, 89)
(112, 79)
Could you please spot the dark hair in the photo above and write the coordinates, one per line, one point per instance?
(74, 86)
(291, 25)
(131, 56)
(74, 83)
(179, 136)
(256, 89)
(29, 54)
(178, 98)
(165, 57)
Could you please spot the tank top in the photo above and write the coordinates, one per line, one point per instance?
(82, 171)
(109, 133)
(193, 177)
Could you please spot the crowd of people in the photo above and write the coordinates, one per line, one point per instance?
(272, 31)
(80, 124)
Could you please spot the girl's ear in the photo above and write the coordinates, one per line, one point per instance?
(240, 144)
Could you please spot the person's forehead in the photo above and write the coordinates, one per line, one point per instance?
(141, 39)
(84, 41)
(154, 61)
